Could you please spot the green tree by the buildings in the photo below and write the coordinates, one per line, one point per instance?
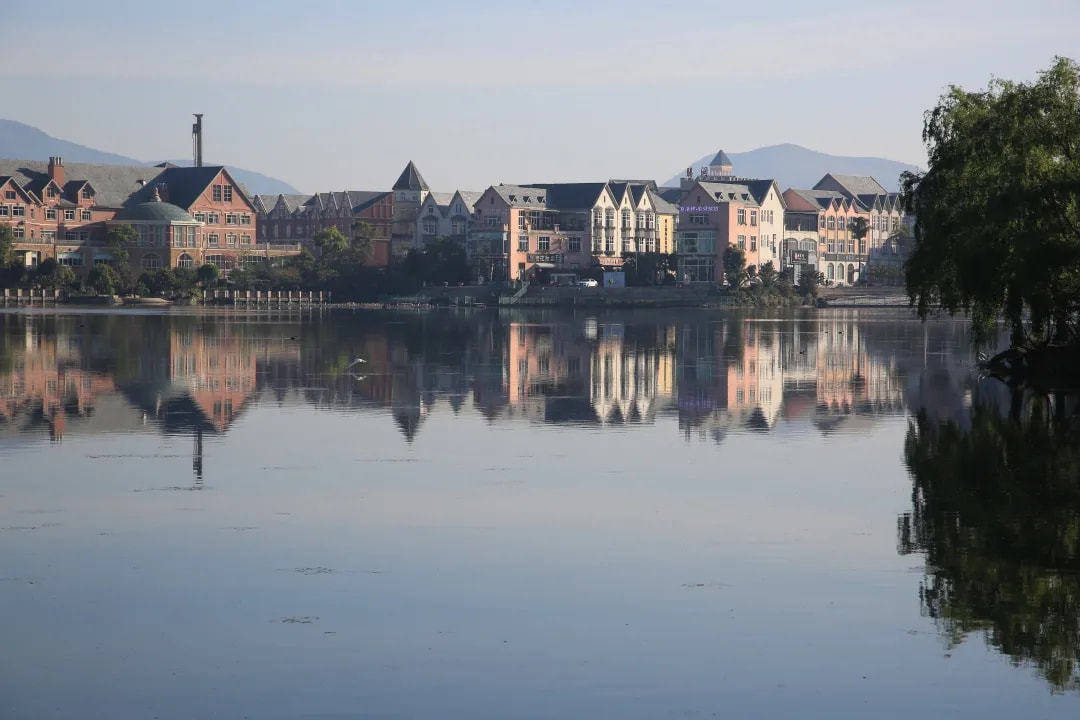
(7, 245)
(118, 240)
(734, 266)
(329, 243)
(103, 279)
(859, 228)
(809, 280)
(363, 235)
(208, 275)
(768, 274)
(997, 228)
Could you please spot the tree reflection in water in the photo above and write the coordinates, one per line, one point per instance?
(996, 510)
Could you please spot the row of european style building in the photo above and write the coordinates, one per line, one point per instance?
(187, 216)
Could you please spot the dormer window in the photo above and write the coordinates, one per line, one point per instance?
(539, 198)
(87, 193)
(51, 191)
(513, 198)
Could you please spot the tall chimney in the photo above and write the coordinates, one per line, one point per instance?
(196, 138)
(56, 170)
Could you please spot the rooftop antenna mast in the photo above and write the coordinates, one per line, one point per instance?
(196, 139)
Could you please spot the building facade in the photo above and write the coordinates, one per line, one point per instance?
(409, 193)
(714, 216)
(891, 230)
(63, 212)
(445, 216)
(297, 218)
(842, 258)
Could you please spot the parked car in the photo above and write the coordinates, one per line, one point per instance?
(588, 282)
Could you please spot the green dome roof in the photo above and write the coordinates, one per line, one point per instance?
(152, 211)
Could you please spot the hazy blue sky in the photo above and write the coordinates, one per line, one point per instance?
(333, 95)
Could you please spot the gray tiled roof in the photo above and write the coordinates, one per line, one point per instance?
(671, 194)
(410, 179)
(856, 185)
(824, 198)
(720, 158)
(441, 198)
(515, 195)
(362, 199)
(726, 192)
(470, 197)
(661, 204)
(618, 189)
(571, 196)
(760, 189)
(114, 185)
(184, 184)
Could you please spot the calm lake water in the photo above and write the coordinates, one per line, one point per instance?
(528, 515)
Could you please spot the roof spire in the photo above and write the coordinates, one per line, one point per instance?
(410, 179)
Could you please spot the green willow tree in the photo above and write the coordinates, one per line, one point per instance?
(997, 227)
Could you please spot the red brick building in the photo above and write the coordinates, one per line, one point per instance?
(297, 218)
(63, 212)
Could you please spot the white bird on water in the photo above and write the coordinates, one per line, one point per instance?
(354, 362)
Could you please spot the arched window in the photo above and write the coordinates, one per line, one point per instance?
(185, 261)
(830, 271)
(151, 261)
(851, 273)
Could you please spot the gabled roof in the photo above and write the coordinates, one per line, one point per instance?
(823, 199)
(572, 196)
(796, 201)
(720, 158)
(854, 185)
(728, 192)
(671, 194)
(114, 185)
(184, 185)
(760, 190)
(18, 187)
(619, 190)
(535, 196)
(410, 179)
(363, 199)
(661, 204)
(470, 198)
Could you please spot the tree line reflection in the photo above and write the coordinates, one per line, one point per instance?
(996, 511)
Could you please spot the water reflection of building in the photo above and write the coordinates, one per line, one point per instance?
(632, 372)
(600, 373)
(730, 377)
(46, 383)
(850, 379)
(214, 371)
(718, 373)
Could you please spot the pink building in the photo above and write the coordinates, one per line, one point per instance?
(712, 217)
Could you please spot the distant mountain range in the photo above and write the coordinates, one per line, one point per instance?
(25, 142)
(799, 167)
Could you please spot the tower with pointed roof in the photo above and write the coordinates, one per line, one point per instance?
(410, 191)
(720, 165)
